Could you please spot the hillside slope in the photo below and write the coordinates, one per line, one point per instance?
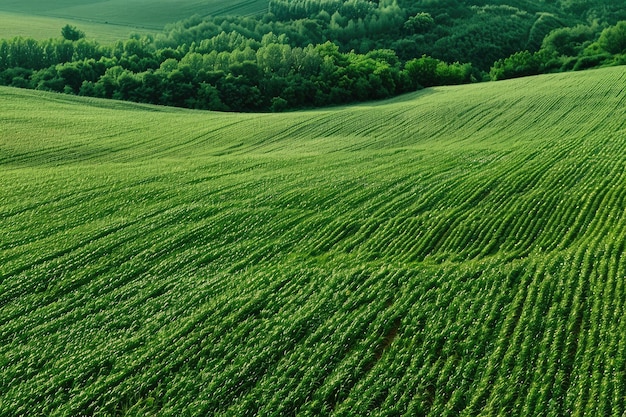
(458, 251)
(128, 13)
(43, 27)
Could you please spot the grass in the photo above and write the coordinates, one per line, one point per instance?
(45, 27)
(111, 20)
(455, 251)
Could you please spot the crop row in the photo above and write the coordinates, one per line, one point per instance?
(380, 260)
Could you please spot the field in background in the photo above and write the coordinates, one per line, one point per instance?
(458, 250)
(43, 27)
(110, 20)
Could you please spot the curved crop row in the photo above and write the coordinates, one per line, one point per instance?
(453, 253)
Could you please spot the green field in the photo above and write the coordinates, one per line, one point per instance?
(109, 20)
(43, 27)
(458, 251)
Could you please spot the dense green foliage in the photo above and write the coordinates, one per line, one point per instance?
(579, 47)
(459, 251)
(225, 72)
(316, 53)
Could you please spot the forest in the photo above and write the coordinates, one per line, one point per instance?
(304, 53)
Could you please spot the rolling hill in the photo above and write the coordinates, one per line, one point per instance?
(43, 27)
(108, 20)
(457, 251)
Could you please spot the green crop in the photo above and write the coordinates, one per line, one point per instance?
(108, 21)
(457, 251)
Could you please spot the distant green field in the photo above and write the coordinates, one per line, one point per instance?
(110, 19)
(43, 27)
(458, 251)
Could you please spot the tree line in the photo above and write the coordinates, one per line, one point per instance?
(570, 48)
(226, 72)
(316, 53)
